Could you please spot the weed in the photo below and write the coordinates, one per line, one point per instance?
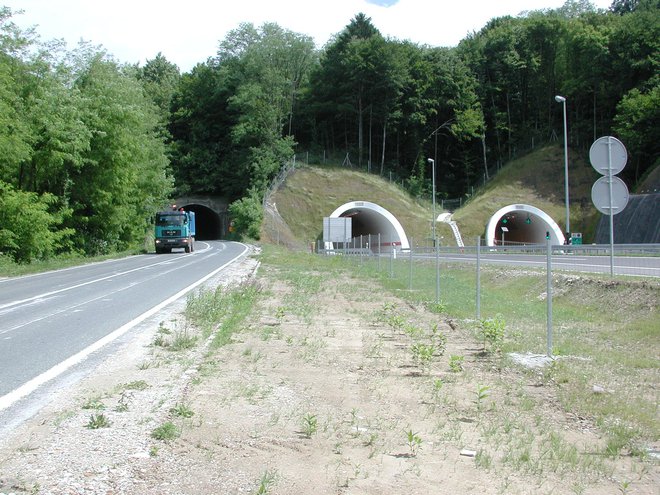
(160, 341)
(436, 307)
(94, 403)
(412, 331)
(162, 329)
(122, 404)
(483, 460)
(355, 420)
(136, 385)
(166, 431)
(182, 341)
(436, 387)
(182, 411)
(97, 421)
(370, 441)
(423, 354)
(153, 451)
(270, 332)
(396, 321)
(492, 331)
(439, 340)
(414, 442)
(480, 395)
(623, 486)
(309, 425)
(266, 481)
(456, 363)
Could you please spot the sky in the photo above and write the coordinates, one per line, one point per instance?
(188, 32)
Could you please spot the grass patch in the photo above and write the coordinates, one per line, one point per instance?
(221, 311)
(165, 432)
(97, 421)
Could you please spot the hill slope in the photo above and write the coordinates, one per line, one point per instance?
(313, 192)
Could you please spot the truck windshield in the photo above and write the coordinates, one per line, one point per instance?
(165, 220)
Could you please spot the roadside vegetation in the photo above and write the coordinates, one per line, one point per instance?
(602, 379)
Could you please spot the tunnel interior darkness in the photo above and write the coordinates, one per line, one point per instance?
(207, 222)
(371, 219)
(522, 224)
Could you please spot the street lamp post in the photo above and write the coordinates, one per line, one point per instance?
(562, 100)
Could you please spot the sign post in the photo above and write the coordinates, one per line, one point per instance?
(608, 156)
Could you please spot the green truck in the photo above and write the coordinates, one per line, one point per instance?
(175, 229)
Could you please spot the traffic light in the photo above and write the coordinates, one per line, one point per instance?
(505, 220)
(547, 235)
(528, 220)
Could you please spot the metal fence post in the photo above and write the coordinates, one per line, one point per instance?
(437, 271)
(478, 277)
(410, 252)
(379, 252)
(392, 263)
(549, 297)
(361, 252)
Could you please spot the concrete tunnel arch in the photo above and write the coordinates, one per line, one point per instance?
(371, 219)
(526, 224)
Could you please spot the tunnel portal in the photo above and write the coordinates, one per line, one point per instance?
(520, 225)
(370, 219)
(207, 223)
(211, 215)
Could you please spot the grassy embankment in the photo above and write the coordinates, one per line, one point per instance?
(536, 179)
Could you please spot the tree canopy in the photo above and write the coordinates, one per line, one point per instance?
(90, 147)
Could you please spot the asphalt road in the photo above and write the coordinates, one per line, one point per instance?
(644, 266)
(623, 265)
(53, 321)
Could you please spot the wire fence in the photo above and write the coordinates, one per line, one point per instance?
(453, 276)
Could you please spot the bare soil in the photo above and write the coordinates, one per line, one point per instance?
(319, 393)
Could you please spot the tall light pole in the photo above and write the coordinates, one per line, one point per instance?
(562, 100)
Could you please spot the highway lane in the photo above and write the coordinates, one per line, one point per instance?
(54, 320)
(644, 266)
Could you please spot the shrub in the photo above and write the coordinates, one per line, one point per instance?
(29, 229)
(247, 215)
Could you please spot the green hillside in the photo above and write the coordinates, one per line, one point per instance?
(536, 179)
(313, 192)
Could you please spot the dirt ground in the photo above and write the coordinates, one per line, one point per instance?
(325, 390)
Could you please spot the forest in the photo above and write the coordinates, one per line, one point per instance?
(91, 148)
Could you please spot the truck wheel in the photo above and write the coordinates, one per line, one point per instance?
(187, 248)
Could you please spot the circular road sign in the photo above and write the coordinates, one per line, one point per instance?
(600, 195)
(599, 155)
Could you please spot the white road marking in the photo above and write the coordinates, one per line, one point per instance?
(27, 388)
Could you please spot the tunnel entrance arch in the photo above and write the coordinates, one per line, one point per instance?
(211, 215)
(207, 222)
(524, 224)
(371, 219)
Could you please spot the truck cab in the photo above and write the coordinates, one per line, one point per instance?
(175, 229)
